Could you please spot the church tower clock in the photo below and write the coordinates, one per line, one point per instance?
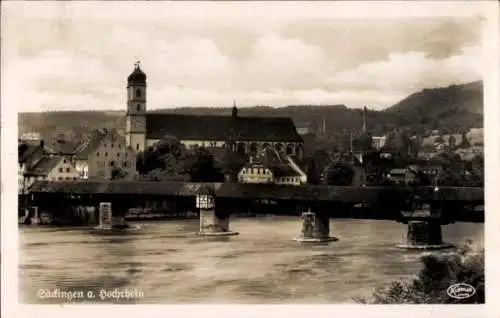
(136, 110)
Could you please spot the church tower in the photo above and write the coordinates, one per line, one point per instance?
(136, 110)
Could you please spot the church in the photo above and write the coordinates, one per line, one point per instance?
(248, 135)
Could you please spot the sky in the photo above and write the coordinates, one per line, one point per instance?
(77, 57)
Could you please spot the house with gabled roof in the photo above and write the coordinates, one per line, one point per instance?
(249, 134)
(37, 163)
(102, 152)
(271, 166)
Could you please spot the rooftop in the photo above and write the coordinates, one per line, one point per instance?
(239, 190)
(211, 127)
(44, 166)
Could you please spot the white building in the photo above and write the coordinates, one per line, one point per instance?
(270, 166)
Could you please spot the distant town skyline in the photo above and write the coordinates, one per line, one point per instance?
(78, 56)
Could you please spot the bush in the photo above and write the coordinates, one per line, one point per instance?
(440, 271)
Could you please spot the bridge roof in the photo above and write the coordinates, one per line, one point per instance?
(256, 191)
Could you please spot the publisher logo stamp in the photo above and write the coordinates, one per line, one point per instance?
(461, 291)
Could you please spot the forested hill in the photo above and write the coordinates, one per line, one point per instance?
(450, 108)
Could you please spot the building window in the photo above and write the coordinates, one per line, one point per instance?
(64, 160)
(105, 154)
(124, 164)
(67, 169)
(59, 178)
(111, 163)
(67, 178)
(118, 154)
(97, 154)
(137, 146)
(138, 92)
(74, 178)
(105, 146)
(60, 169)
(112, 145)
(138, 106)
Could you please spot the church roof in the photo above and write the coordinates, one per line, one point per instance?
(208, 127)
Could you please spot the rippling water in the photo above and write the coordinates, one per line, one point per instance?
(169, 264)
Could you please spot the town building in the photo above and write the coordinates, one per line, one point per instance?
(250, 134)
(399, 175)
(29, 154)
(378, 142)
(271, 166)
(104, 151)
(36, 163)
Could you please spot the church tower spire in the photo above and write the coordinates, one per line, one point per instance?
(136, 109)
(235, 110)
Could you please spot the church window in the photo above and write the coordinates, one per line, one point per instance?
(137, 146)
(138, 92)
(138, 107)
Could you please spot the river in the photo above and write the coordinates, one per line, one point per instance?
(167, 263)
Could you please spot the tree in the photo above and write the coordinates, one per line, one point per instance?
(340, 174)
(439, 272)
(162, 175)
(203, 167)
(230, 164)
(452, 141)
(118, 173)
(391, 143)
(404, 146)
(168, 155)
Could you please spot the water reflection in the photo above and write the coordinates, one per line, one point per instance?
(170, 264)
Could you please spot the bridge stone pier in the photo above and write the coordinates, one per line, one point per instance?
(212, 222)
(424, 228)
(109, 221)
(315, 228)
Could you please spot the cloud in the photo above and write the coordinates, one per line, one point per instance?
(81, 62)
(412, 71)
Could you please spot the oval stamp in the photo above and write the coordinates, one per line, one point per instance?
(461, 291)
